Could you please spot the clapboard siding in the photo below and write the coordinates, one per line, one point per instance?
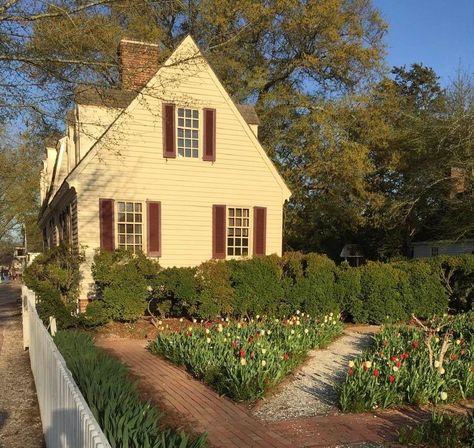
(128, 164)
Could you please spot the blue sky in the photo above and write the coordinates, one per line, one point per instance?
(439, 33)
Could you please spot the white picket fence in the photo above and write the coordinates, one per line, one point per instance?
(67, 420)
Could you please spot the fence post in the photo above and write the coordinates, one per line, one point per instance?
(25, 317)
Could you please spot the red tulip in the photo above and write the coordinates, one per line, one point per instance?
(235, 344)
(398, 364)
(393, 358)
(415, 344)
(350, 372)
(286, 356)
(391, 378)
(242, 353)
(376, 372)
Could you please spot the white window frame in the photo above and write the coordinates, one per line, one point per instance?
(250, 231)
(143, 224)
(190, 129)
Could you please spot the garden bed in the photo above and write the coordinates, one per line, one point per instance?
(245, 359)
(417, 366)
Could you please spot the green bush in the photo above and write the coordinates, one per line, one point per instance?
(257, 285)
(380, 291)
(175, 292)
(215, 291)
(278, 286)
(123, 285)
(317, 289)
(55, 278)
(349, 294)
(115, 402)
(423, 292)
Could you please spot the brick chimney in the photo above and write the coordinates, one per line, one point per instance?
(138, 63)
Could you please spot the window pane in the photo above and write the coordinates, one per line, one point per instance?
(129, 228)
(188, 123)
(238, 231)
(181, 122)
(230, 241)
(181, 152)
(129, 206)
(245, 251)
(237, 251)
(187, 133)
(245, 232)
(180, 112)
(187, 152)
(230, 232)
(239, 212)
(129, 217)
(129, 239)
(231, 212)
(195, 114)
(238, 242)
(195, 124)
(138, 228)
(138, 218)
(121, 206)
(121, 228)
(231, 221)
(188, 113)
(195, 153)
(238, 222)
(121, 216)
(122, 239)
(245, 242)
(230, 251)
(138, 239)
(138, 207)
(180, 132)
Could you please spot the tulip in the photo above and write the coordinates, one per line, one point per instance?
(208, 340)
(243, 361)
(351, 364)
(264, 363)
(443, 396)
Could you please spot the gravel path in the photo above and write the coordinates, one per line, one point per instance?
(311, 391)
(20, 423)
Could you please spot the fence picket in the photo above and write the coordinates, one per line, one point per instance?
(66, 418)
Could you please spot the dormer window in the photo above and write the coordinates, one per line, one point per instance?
(188, 132)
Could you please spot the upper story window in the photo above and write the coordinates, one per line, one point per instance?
(130, 226)
(188, 132)
(238, 228)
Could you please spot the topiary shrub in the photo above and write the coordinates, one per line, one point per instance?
(381, 293)
(257, 285)
(123, 284)
(55, 278)
(215, 290)
(349, 294)
(175, 292)
(423, 292)
(310, 283)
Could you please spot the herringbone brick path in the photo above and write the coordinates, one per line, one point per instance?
(231, 425)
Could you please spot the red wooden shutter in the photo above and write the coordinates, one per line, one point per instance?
(169, 133)
(154, 228)
(209, 147)
(107, 222)
(259, 230)
(218, 231)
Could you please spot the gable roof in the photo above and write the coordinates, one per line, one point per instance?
(115, 96)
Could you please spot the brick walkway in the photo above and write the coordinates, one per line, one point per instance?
(230, 425)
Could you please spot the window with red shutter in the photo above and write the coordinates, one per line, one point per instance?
(169, 132)
(259, 230)
(218, 231)
(209, 143)
(106, 218)
(154, 228)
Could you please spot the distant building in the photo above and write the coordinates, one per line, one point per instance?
(425, 249)
(352, 253)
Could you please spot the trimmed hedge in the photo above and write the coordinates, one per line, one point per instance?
(377, 292)
(277, 286)
(114, 400)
